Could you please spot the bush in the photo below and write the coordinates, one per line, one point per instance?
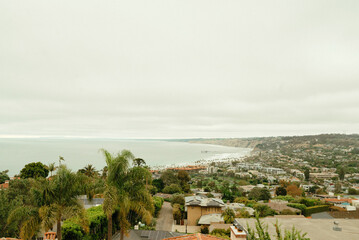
(173, 188)
(204, 230)
(158, 202)
(287, 212)
(299, 206)
(285, 198)
(97, 222)
(71, 231)
(310, 202)
(222, 233)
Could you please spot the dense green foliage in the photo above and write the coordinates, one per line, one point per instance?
(315, 209)
(173, 188)
(97, 222)
(17, 195)
(259, 194)
(4, 176)
(158, 202)
(172, 182)
(263, 210)
(280, 191)
(228, 215)
(72, 231)
(222, 233)
(34, 170)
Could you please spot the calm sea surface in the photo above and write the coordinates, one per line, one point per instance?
(15, 153)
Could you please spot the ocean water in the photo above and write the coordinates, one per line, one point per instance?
(16, 153)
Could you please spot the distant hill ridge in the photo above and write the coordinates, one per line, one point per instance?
(267, 143)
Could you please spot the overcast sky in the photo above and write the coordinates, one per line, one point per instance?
(178, 69)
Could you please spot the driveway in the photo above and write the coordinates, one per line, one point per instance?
(165, 218)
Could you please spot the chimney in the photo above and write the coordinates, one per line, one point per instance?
(238, 232)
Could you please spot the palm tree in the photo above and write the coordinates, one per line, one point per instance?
(60, 200)
(52, 167)
(117, 167)
(89, 170)
(109, 206)
(126, 191)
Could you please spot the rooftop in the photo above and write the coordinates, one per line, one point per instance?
(203, 201)
(196, 236)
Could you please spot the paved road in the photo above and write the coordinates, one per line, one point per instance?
(165, 218)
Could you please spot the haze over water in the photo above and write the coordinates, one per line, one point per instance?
(16, 153)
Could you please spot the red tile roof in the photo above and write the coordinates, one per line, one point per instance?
(197, 236)
(4, 185)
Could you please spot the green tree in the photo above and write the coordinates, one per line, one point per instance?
(263, 210)
(280, 191)
(259, 194)
(138, 162)
(34, 170)
(4, 176)
(132, 193)
(51, 167)
(89, 170)
(306, 174)
(173, 188)
(169, 177)
(341, 173)
(158, 183)
(61, 200)
(177, 213)
(228, 215)
(50, 202)
(177, 199)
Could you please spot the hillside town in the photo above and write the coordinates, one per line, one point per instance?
(224, 199)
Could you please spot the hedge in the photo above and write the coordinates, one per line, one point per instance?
(71, 231)
(299, 206)
(97, 222)
(315, 209)
(307, 211)
(158, 202)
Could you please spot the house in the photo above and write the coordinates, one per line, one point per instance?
(150, 235)
(322, 175)
(4, 185)
(197, 206)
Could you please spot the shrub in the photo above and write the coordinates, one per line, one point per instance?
(98, 226)
(222, 233)
(71, 231)
(173, 188)
(299, 206)
(285, 198)
(177, 198)
(287, 212)
(98, 223)
(204, 230)
(158, 202)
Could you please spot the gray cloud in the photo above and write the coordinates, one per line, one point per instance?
(178, 68)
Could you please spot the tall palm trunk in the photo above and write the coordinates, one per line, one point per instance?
(109, 227)
(58, 229)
